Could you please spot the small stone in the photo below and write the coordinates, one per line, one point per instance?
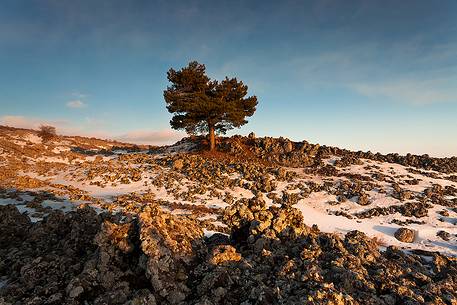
(178, 164)
(444, 235)
(444, 213)
(220, 292)
(405, 235)
(363, 199)
(56, 298)
(75, 292)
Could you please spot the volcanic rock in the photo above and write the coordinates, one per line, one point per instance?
(405, 235)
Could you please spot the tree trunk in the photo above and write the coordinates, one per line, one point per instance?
(212, 138)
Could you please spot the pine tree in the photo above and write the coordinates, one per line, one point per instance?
(202, 105)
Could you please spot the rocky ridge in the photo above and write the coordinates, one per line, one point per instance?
(155, 236)
(270, 257)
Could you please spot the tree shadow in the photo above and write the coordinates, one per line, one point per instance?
(385, 229)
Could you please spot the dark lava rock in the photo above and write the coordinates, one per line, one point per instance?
(13, 225)
(409, 209)
(444, 235)
(271, 257)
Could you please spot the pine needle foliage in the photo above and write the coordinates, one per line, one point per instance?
(201, 105)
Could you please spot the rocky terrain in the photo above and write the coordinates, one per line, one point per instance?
(263, 221)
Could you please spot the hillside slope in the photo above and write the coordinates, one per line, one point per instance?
(293, 206)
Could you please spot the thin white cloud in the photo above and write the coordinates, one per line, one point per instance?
(414, 73)
(30, 122)
(147, 137)
(63, 126)
(78, 95)
(76, 104)
(409, 91)
(151, 137)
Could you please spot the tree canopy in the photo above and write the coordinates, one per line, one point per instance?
(202, 105)
(47, 133)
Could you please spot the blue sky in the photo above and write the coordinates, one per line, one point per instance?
(370, 75)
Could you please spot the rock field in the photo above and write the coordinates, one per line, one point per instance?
(262, 221)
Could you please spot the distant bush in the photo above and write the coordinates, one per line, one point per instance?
(47, 132)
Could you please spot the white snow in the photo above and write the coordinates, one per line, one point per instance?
(384, 232)
(209, 233)
(32, 138)
(22, 208)
(180, 148)
(59, 149)
(315, 208)
(92, 158)
(316, 211)
(53, 160)
(65, 206)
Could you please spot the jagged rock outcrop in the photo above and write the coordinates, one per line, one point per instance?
(13, 226)
(169, 245)
(271, 257)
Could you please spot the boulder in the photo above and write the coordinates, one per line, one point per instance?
(405, 235)
(169, 245)
(222, 254)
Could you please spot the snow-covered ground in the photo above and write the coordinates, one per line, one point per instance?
(101, 180)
